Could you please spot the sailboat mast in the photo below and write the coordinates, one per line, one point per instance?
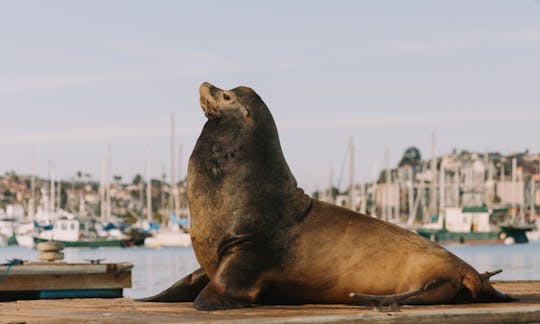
(375, 190)
(59, 195)
(456, 187)
(108, 185)
(532, 212)
(330, 193)
(148, 188)
(363, 202)
(102, 189)
(410, 186)
(178, 193)
(32, 203)
(351, 174)
(172, 190)
(433, 189)
(442, 186)
(52, 193)
(162, 200)
(514, 178)
(387, 211)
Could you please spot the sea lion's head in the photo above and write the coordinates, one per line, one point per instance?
(237, 162)
(237, 118)
(241, 104)
(239, 128)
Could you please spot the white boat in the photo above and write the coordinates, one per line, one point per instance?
(535, 234)
(6, 230)
(3, 240)
(172, 235)
(175, 233)
(168, 238)
(77, 232)
(24, 234)
(8, 223)
(26, 231)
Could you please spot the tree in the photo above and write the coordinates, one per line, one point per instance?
(137, 179)
(411, 157)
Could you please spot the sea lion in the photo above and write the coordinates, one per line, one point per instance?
(261, 240)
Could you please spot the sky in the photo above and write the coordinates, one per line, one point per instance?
(77, 76)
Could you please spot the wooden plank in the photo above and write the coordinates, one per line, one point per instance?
(66, 281)
(54, 268)
(81, 293)
(125, 310)
(35, 268)
(60, 294)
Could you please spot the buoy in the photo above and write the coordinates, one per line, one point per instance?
(50, 246)
(51, 256)
(50, 251)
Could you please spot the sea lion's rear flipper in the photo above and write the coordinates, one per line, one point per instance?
(482, 291)
(184, 290)
(378, 301)
(488, 274)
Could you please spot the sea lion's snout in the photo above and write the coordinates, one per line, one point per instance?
(208, 99)
(215, 101)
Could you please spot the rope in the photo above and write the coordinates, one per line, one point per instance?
(10, 263)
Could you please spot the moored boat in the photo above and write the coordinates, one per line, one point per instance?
(472, 225)
(73, 232)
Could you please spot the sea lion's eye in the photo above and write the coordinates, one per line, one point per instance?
(226, 97)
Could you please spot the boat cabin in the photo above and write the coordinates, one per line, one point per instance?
(468, 219)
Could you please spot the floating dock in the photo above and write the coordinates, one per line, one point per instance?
(125, 310)
(50, 280)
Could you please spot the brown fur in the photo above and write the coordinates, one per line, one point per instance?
(260, 239)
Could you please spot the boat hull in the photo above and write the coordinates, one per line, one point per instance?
(445, 237)
(506, 234)
(87, 243)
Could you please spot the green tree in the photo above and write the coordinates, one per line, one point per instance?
(137, 179)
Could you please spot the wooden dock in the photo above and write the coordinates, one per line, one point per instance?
(49, 280)
(125, 310)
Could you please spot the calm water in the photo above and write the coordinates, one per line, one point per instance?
(157, 269)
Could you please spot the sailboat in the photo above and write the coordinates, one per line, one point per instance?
(9, 221)
(50, 222)
(175, 232)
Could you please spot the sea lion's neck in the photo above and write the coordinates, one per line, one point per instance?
(229, 149)
(229, 159)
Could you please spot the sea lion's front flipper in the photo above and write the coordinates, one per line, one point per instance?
(184, 290)
(237, 280)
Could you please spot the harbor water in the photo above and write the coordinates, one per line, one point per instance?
(157, 269)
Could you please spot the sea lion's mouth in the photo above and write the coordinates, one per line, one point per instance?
(208, 100)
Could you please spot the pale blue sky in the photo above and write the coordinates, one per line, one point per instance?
(78, 75)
